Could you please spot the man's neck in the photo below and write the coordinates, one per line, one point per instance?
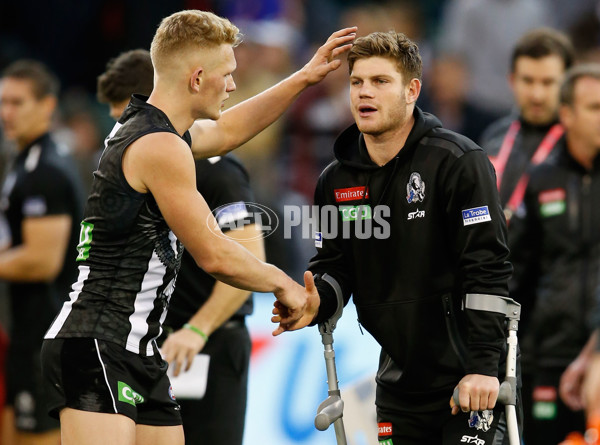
(582, 152)
(175, 109)
(384, 147)
(23, 142)
(540, 125)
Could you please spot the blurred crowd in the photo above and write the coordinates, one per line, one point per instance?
(466, 46)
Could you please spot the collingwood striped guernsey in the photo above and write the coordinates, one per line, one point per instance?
(128, 257)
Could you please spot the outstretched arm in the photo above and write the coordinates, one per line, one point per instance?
(161, 163)
(244, 121)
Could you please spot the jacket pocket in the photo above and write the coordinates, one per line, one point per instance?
(415, 336)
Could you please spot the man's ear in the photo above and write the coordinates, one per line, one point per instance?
(48, 104)
(196, 79)
(413, 90)
(565, 115)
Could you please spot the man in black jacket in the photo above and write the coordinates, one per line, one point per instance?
(526, 136)
(42, 203)
(555, 245)
(417, 226)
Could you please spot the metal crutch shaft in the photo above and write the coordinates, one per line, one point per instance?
(331, 409)
(508, 389)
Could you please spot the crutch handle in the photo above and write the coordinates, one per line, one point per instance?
(329, 411)
(505, 394)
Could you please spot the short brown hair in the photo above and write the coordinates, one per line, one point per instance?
(544, 42)
(567, 89)
(130, 72)
(191, 27)
(44, 82)
(393, 45)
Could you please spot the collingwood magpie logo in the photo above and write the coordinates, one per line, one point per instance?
(415, 189)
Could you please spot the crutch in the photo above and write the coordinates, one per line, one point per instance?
(507, 394)
(331, 409)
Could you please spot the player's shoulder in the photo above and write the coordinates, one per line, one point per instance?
(330, 170)
(50, 157)
(450, 142)
(161, 145)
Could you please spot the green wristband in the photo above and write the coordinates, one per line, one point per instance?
(200, 332)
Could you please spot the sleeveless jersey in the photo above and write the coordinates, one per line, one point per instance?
(128, 257)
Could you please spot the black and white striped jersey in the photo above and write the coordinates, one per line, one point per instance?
(128, 257)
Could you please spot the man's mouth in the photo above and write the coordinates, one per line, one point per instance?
(366, 110)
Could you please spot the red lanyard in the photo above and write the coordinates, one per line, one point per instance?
(541, 153)
(499, 162)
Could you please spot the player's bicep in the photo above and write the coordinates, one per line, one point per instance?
(208, 139)
(46, 239)
(165, 168)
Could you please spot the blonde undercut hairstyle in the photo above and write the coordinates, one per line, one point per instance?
(392, 45)
(189, 29)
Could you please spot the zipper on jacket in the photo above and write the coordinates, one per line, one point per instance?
(452, 329)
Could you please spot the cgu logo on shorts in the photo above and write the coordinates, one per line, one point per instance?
(128, 395)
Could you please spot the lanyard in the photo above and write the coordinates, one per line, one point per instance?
(541, 153)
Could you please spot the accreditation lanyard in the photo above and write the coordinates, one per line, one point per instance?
(541, 153)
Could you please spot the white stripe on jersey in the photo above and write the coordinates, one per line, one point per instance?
(106, 377)
(144, 304)
(84, 272)
(171, 286)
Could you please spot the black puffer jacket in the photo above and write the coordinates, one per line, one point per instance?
(437, 233)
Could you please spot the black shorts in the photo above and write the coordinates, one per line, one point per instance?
(26, 392)
(441, 428)
(103, 377)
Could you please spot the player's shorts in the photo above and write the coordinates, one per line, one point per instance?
(26, 393)
(99, 376)
(442, 428)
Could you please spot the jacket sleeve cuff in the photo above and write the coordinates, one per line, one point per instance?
(484, 359)
(328, 298)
